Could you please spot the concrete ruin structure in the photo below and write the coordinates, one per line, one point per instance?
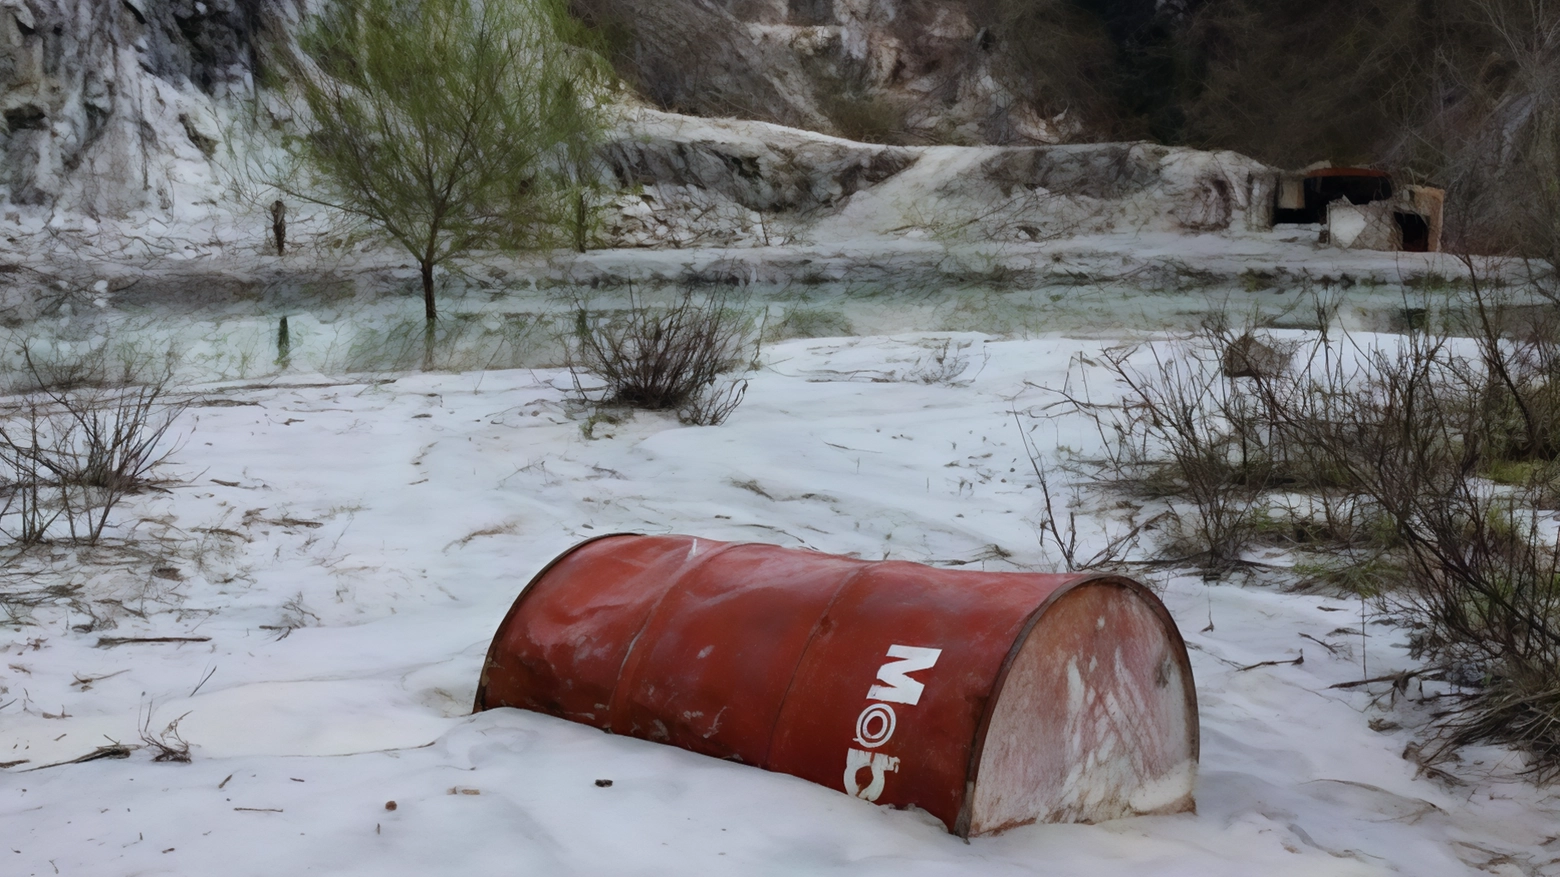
(1410, 221)
(1361, 208)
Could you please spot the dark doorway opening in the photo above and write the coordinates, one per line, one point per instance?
(1416, 232)
(1324, 186)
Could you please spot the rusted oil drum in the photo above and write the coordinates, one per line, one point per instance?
(988, 699)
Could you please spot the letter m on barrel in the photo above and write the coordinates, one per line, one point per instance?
(896, 686)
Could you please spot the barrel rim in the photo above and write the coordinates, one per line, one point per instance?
(961, 827)
(479, 702)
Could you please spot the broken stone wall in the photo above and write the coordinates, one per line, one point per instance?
(1410, 220)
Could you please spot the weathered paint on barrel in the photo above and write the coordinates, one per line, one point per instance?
(988, 699)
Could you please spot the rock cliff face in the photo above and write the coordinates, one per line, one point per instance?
(692, 182)
(112, 106)
(911, 71)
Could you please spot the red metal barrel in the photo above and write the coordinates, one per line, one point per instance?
(988, 699)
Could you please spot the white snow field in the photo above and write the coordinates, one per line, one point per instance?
(349, 549)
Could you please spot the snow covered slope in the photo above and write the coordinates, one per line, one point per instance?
(349, 549)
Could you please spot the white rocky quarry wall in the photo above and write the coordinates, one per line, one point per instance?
(734, 183)
(116, 106)
(926, 70)
(928, 59)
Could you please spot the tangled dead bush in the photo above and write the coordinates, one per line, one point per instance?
(1189, 433)
(78, 436)
(1379, 458)
(667, 356)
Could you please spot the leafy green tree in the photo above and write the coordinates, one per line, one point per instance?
(451, 125)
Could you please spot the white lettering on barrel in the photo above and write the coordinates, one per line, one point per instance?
(899, 687)
(875, 725)
(877, 722)
(881, 765)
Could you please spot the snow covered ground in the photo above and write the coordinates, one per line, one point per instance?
(349, 548)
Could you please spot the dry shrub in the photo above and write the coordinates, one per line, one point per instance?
(666, 357)
(1186, 431)
(1518, 397)
(82, 434)
(1390, 447)
(1062, 536)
